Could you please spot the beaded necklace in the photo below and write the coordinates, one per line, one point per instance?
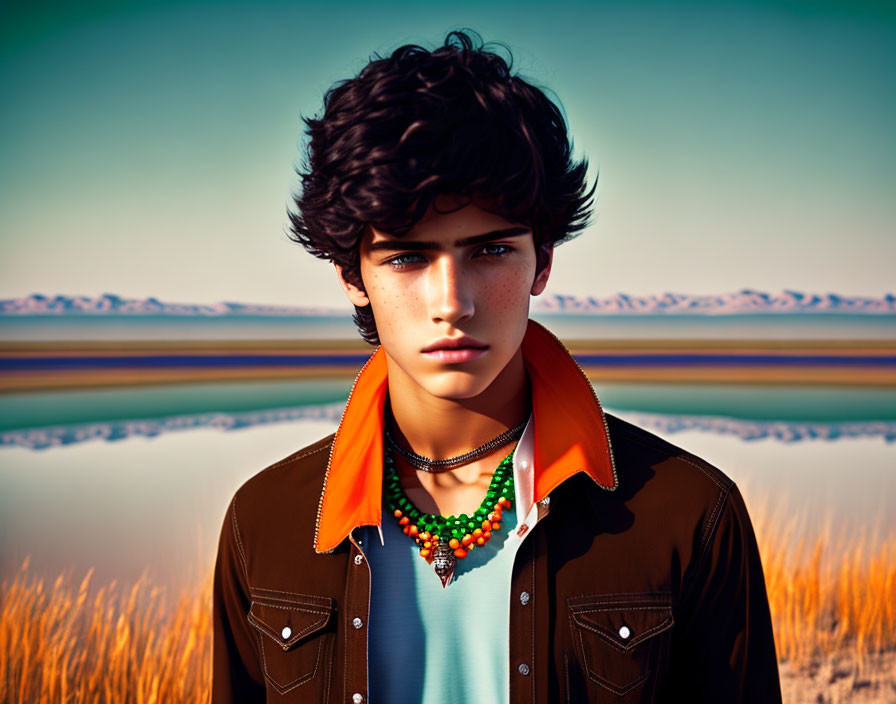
(445, 539)
(435, 466)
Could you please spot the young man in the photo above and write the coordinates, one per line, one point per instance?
(477, 529)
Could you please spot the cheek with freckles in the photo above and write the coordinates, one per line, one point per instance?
(505, 297)
(394, 306)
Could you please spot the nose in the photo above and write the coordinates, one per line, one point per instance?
(449, 291)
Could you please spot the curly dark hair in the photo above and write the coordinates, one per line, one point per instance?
(422, 123)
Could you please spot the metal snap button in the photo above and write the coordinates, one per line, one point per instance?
(524, 598)
(286, 632)
(624, 632)
(357, 698)
(524, 669)
(356, 622)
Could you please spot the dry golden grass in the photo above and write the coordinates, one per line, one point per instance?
(119, 646)
(827, 595)
(127, 645)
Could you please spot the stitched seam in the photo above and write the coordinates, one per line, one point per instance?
(532, 618)
(639, 639)
(606, 684)
(599, 414)
(659, 667)
(621, 599)
(292, 608)
(657, 444)
(314, 600)
(708, 532)
(332, 448)
(602, 596)
(299, 454)
(711, 523)
(614, 607)
(566, 676)
(367, 630)
(324, 445)
(348, 599)
(345, 640)
(706, 471)
(661, 445)
(261, 625)
(239, 540)
(330, 648)
(307, 678)
(638, 437)
(283, 688)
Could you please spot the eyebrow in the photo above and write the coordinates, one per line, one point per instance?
(394, 245)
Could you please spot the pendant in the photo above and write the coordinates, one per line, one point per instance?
(443, 563)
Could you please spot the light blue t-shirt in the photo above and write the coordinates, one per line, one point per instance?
(433, 645)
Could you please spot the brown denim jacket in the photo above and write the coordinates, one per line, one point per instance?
(640, 581)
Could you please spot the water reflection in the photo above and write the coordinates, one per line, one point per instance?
(155, 496)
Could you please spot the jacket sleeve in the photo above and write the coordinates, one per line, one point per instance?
(236, 675)
(724, 648)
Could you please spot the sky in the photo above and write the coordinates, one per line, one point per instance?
(149, 148)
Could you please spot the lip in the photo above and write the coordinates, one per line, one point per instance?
(461, 354)
(453, 343)
(455, 349)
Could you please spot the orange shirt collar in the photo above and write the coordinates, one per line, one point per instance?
(570, 437)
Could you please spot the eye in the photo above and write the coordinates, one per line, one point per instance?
(493, 249)
(405, 259)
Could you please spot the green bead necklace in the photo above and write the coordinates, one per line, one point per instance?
(444, 539)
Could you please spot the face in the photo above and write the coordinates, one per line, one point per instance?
(458, 277)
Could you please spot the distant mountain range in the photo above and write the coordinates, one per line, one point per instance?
(112, 304)
(741, 302)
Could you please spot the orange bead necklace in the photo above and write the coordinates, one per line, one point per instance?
(445, 539)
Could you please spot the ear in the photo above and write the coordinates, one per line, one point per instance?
(542, 279)
(356, 295)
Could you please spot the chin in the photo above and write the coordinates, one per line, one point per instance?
(454, 382)
(456, 385)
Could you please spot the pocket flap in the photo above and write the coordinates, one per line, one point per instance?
(623, 620)
(287, 622)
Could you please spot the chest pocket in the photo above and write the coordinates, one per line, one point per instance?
(295, 639)
(621, 641)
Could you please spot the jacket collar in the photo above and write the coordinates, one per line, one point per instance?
(570, 436)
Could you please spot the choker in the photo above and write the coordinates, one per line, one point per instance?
(445, 539)
(435, 466)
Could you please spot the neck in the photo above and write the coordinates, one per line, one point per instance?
(439, 428)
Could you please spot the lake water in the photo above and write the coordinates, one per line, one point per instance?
(755, 326)
(124, 480)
